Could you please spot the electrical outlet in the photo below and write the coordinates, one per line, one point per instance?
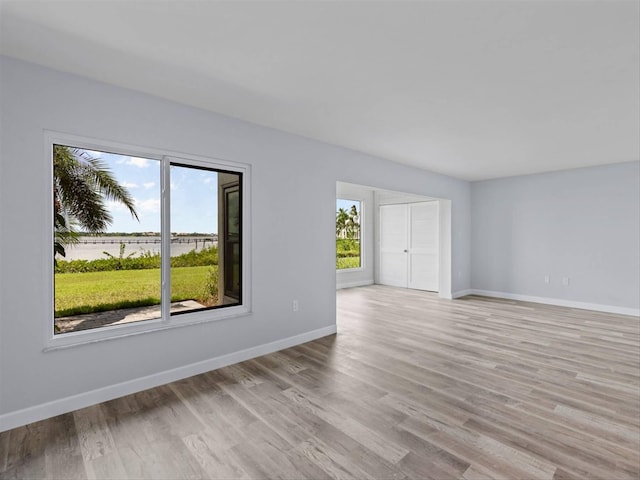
(546, 279)
(295, 306)
(565, 281)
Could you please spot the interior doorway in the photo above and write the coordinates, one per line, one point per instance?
(409, 245)
(428, 253)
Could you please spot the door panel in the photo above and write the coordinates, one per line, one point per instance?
(409, 238)
(423, 272)
(393, 245)
(424, 217)
(231, 239)
(393, 235)
(423, 247)
(393, 269)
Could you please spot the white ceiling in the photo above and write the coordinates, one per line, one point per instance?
(474, 89)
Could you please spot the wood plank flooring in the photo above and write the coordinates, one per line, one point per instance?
(411, 387)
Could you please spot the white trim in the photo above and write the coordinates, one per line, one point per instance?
(353, 269)
(635, 312)
(114, 332)
(82, 400)
(462, 293)
(53, 341)
(444, 240)
(165, 240)
(359, 283)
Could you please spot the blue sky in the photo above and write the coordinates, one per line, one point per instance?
(194, 199)
(346, 204)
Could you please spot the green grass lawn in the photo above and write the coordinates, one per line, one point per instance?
(347, 253)
(77, 293)
(347, 262)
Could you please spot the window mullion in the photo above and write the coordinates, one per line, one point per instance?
(165, 239)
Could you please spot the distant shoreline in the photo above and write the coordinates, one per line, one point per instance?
(145, 234)
(93, 247)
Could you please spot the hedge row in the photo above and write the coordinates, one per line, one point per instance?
(147, 260)
(346, 247)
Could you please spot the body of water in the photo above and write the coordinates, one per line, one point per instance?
(92, 248)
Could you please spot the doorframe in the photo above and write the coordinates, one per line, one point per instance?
(371, 235)
(387, 197)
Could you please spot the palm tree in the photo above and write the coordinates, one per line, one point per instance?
(81, 184)
(341, 222)
(354, 222)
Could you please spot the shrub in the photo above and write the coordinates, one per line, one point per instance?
(211, 287)
(206, 256)
(145, 260)
(346, 247)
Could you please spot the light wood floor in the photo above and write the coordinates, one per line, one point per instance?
(411, 387)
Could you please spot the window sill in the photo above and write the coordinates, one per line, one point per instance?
(114, 332)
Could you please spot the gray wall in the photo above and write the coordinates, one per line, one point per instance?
(293, 178)
(582, 224)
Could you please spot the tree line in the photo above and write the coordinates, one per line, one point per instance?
(348, 223)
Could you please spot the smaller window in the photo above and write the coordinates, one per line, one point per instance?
(348, 226)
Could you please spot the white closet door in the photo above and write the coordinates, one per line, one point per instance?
(423, 251)
(393, 245)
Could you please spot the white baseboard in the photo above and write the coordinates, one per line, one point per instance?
(82, 400)
(635, 312)
(462, 293)
(360, 283)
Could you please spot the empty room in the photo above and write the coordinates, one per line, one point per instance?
(320, 239)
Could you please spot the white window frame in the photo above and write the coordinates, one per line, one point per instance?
(53, 341)
(362, 240)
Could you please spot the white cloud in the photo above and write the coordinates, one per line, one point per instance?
(114, 206)
(138, 162)
(129, 185)
(135, 161)
(148, 185)
(149, 205)
(207, 180)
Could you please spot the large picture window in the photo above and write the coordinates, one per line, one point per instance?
(142, 238)
(348, 226)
